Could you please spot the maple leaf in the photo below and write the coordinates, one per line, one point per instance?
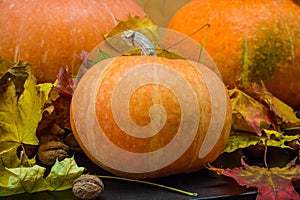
(253, 112)
(55, 117)
(31, 179)
(272, 183)
(117, 45)
(65, 83)
(239, 140)
(44, 90)
(285, 115)
(20, 113)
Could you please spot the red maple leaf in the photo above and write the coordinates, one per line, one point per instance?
(65, 83)
(272, 183)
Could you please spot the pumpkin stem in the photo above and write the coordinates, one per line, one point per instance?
(134, 38)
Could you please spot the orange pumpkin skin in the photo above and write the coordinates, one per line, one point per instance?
(249, 41)
(145, 117)
(52, 34)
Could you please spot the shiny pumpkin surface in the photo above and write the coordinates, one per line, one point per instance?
(249, 41)
(52, 34)
(144, 117)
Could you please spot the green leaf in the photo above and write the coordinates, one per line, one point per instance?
(63, 174)
(31, 179)
(101, 56)
(23, 179)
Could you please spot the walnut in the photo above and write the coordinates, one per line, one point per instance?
(88, 187)
(72, 143)
(50, 151)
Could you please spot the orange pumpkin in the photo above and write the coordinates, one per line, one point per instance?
(51, 34)
(249, 41)
(145, 117)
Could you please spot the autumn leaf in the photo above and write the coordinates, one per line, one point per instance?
(5, 66)
(240, 140)
(285, 115)
(253, 112)
(55, 116)
(65, 83)
(31, 179)
(144, 26)
(44, 91)
(272, 183)
(20, 113)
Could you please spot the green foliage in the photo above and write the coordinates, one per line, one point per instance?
(31, 179)
(101, 56)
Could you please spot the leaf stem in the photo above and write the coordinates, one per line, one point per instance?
(151, 183)
(265, 154)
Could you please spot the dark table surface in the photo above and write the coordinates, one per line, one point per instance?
(206, 183)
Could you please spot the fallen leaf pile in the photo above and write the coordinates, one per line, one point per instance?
(23, 105)
(260, 118)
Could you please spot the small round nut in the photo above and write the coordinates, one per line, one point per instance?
(50, 151)
(72, 143)
(87, 187)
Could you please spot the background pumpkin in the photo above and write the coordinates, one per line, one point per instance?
(249, 40)
(52, 34)
(161, 11)
(144, 117)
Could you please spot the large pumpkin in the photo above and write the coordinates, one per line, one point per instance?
(144, 117)
(249, 41)
(51, 34)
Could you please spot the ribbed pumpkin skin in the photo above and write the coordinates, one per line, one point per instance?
(50, 34)
(145, 117)
(255, 40)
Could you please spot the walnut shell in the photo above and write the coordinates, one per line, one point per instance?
(50, 151)
(87, 187)
(72, 143)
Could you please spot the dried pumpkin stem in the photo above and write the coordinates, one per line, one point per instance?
(151, 183)
(139, 40)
